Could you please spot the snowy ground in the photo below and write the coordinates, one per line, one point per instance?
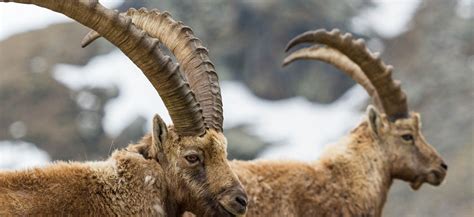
(300, 128)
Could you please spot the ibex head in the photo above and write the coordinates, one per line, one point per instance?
(412, 158)
(199, 167)
(396, 129)
(197, 173)
(192, 152)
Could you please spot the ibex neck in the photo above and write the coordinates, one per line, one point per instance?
(143, 183)
(359, 166)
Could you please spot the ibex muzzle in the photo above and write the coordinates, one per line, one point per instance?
(234, 201)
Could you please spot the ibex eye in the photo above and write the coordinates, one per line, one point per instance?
(407, 137)
(192, 158)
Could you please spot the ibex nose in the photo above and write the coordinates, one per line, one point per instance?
(235, 201)
(239, 204)
(444, 166)
(241, 200)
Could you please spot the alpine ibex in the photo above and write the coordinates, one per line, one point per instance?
(351, 178)
(176, 168)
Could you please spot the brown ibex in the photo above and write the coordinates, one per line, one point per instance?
(176, 168)
(351, 178)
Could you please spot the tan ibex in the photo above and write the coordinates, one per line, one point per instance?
(177, 168)
(351, 178)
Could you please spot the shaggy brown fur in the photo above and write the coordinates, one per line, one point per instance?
(352, 178)
(125, 184)
(151, 178)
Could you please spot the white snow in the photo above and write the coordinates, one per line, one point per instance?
(299, 128)
(20, 155)
(388, 18)
(465, 9)
(16, 18)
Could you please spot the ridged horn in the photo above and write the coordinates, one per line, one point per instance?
(143, 50)
(189, 51)
(337, 59)
(392, 98)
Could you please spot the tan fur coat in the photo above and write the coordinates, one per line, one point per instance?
(93, 189)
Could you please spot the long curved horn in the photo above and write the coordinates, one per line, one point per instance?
(337, 59)
(392, 98)
(189, 51)
(143, 51)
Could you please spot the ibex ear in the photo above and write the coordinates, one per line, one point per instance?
(154, 150)
(374, 119)
(159, 133)
(417, 121)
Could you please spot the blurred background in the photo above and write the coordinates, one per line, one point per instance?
(61, 102)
